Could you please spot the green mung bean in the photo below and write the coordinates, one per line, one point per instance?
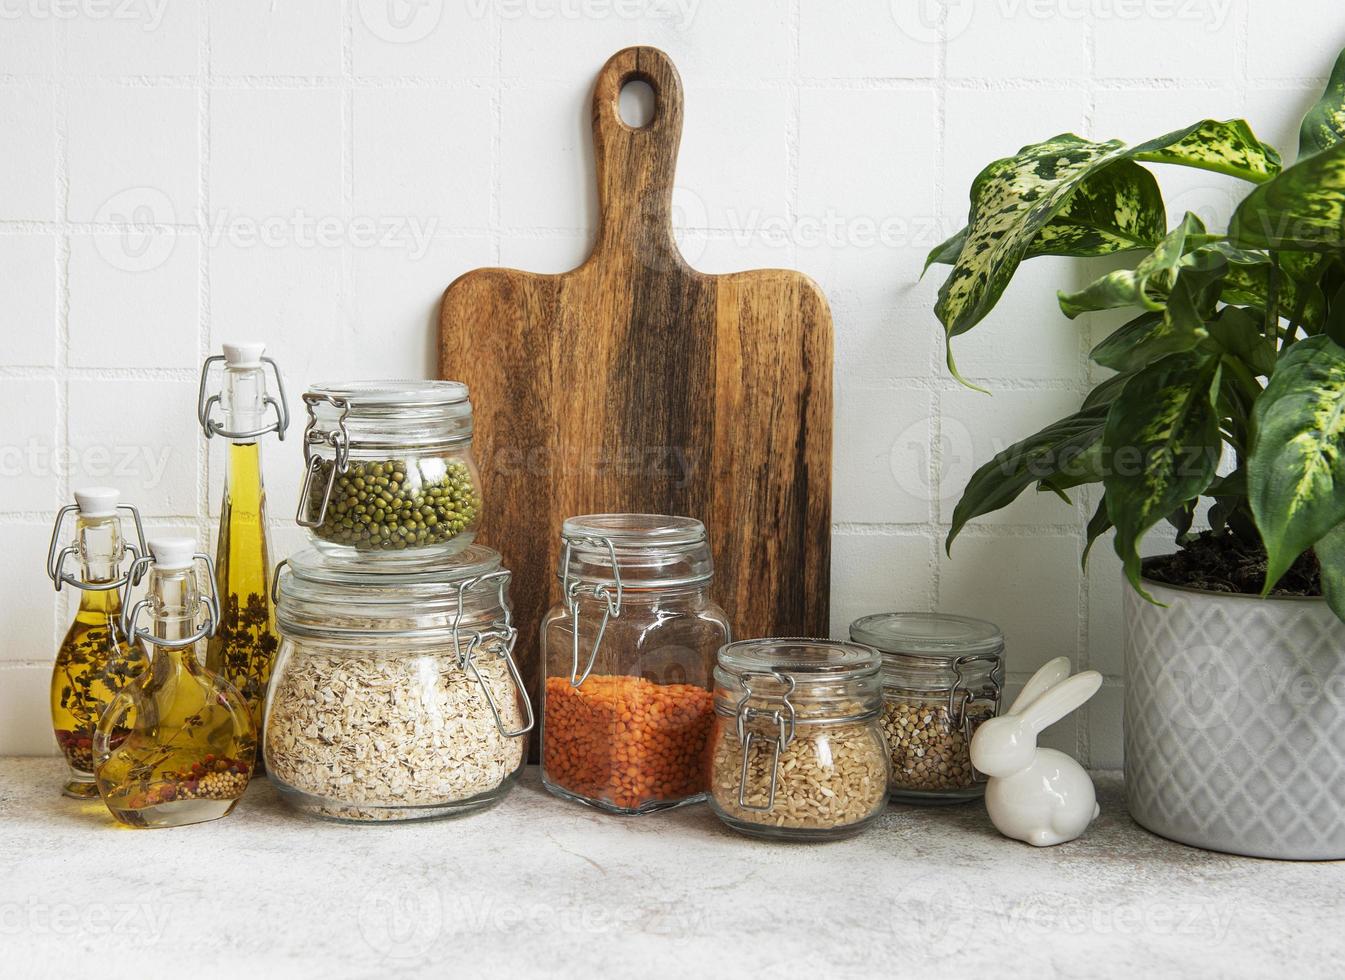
(394, 504)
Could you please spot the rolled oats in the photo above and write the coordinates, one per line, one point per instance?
(367, 735)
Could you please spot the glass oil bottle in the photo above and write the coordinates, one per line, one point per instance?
(176, 746)
(94, 660)
(244, 646)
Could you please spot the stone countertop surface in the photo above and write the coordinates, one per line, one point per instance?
(537, 886)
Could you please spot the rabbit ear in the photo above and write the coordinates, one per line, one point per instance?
(1062, 699)
(1047, 676)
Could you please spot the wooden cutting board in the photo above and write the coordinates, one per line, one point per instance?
(637, 384)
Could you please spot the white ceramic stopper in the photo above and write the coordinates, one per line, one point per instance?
(244, 355)
(171, 554)
(97, 501)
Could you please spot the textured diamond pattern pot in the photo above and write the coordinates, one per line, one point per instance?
(1235, 722)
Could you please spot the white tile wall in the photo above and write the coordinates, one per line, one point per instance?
(314, 172)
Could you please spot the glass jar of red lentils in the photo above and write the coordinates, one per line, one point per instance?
(629, 655)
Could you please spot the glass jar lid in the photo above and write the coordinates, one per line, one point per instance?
(934, 635)
(389, 415)
(634, 551)
(806, 660)
(816, 680)
(932, 651)
(319, 594)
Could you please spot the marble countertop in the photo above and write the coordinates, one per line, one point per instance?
(538, 886)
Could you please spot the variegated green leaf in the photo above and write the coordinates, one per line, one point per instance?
(1116, 209)
(1227, 147)
(1330, 549)
(1090, 224)
(1148, 284)
(1162, 444)
(1141, 341)
(947, 252)
(1014, 200)
(1296, 470)
(1303, 208)
(1324, 125)
(1053, 450)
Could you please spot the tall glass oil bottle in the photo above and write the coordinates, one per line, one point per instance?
(94, 660)
(244, 646)
(176, 745)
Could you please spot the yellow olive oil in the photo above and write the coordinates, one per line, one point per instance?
(243, 649)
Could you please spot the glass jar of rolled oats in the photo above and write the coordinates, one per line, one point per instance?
(395, 694)
(942, 676)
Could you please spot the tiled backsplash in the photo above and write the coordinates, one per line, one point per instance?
(314, 173)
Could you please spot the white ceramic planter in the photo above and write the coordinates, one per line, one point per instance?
(1235, 722)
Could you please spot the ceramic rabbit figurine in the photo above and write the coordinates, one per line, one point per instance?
(1037, 795)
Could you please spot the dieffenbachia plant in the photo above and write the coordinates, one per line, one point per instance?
(1237, 340)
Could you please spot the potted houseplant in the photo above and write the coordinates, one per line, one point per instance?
(1228, 384)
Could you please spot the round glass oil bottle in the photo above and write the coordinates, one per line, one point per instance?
(94, 661)
(177, 745)
(244, 645)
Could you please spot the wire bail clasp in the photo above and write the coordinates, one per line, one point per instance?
(339, 439)
(961, 701)
(506, 634)
(783, 718)
(57, 556)
(205, 404)
(131, 613)
(611, 597)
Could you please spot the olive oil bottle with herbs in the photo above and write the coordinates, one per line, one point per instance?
(176, 745)
(94, 660)
(243, 649)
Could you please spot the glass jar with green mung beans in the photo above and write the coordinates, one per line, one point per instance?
(390, 472)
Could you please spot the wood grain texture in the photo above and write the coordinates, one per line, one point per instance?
(637, 384)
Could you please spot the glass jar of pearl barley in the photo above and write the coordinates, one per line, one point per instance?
(390, 473)
(942, 676)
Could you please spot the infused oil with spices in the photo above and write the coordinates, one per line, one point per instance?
(243, 648)
(176, 745)
(94, 660)
(629, 656)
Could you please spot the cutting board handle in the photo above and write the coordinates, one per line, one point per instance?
(635, 166)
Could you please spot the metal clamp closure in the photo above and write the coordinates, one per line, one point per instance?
(571, 590)
(782, 717)
(338, 438)
(204, 405)
(961, 701)
(56, 559)
(131, 613)
(507, 635)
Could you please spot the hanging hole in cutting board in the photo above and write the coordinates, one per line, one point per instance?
(637, 103)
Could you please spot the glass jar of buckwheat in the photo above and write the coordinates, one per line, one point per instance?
(942, 676)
